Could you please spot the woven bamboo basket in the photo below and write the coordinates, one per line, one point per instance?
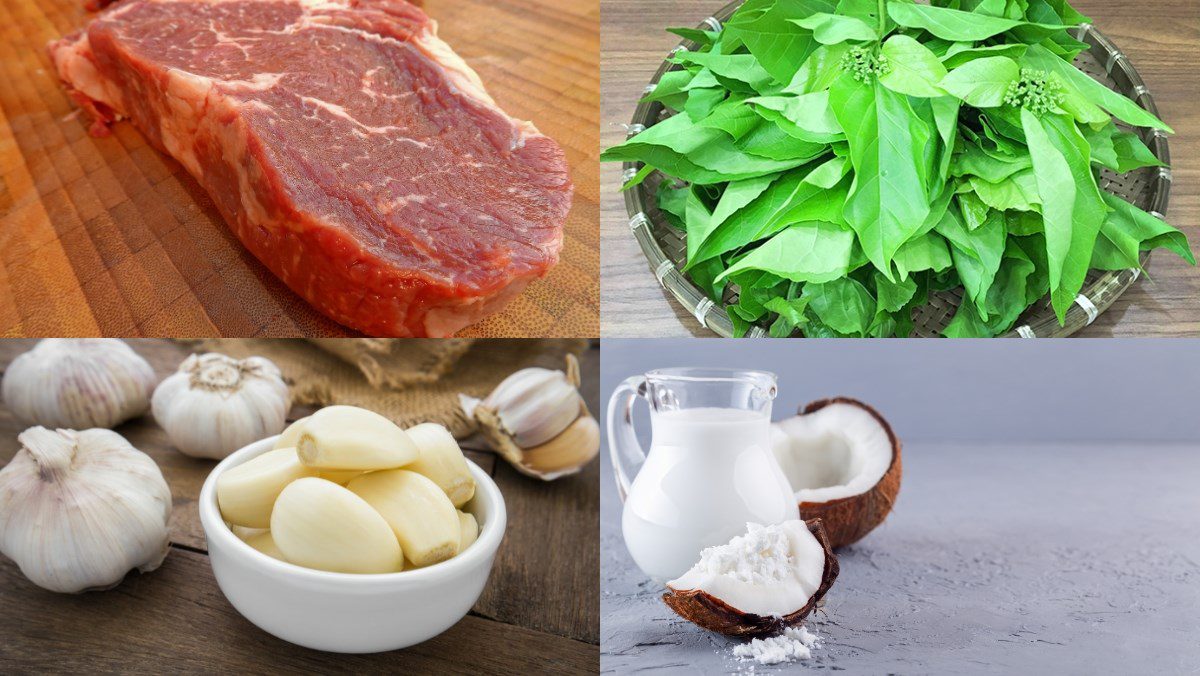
(666, 247)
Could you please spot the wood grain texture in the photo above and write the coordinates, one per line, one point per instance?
(109, 237)
(1162, 41)
(540, 608)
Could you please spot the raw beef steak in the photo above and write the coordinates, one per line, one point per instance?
(349, 148)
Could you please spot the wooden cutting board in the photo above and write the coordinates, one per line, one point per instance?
(109, 237)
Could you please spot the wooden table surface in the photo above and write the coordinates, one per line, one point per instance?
(539, 611)
(109, 237)
(1162, 39)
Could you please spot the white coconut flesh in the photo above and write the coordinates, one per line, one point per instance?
(836, 452)
(770, 571)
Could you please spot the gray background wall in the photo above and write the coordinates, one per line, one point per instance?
(979, 391)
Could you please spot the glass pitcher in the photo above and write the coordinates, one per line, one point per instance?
(709, 470)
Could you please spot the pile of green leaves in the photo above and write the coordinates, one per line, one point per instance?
(841, 160)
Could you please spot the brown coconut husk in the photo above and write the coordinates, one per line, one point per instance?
(711, 613)
(848, 520)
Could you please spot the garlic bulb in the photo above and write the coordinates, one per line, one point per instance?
(534, 404)
(78, 510)
(537, 421)
(216, 404)
(78, 383)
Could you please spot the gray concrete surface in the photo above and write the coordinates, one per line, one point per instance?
(1005, 559)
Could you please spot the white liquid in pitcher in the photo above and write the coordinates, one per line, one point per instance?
(708, 472)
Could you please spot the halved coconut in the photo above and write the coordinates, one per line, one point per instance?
(759, 583)
(843, 462)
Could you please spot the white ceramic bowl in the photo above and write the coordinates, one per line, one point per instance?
(343, 612)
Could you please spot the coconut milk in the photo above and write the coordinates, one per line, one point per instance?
(709, 472)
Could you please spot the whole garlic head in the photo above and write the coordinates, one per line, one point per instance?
(79, 510)
(78, 383)
(537, 421)
(216, 404)
(534, 405)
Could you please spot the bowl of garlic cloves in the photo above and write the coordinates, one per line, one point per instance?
(349, 534)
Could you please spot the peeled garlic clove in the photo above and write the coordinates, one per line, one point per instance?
(533, 405)
(348, 437)
(339, 477)
(214, 404)
(319, 524)
(423, 518)
(565, 454)
(469, 530)
(265, 543)
(78, 510)
(78, 383)
(442, 461)
(291, 436)
(246, 493)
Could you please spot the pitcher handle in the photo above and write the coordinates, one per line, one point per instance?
(627, 454)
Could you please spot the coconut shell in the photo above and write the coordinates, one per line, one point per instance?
(711, 613)
(848, 520)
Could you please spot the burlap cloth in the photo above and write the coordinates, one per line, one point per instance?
(409, 380)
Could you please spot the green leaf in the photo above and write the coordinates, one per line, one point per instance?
(888, 200)
(1120, 107)
(702, 155)
(893, 296)
(1018, 191)
(928, 252)
(962, 52)
(700, 37)
(976, 253)
(788, 200)
(742, 68)
(804, 252)
(973, 161)
(771, 141)
(736, 196)
(765, 28)
(1006, 300)
(843, 305)
(829, 174)
(1072, 207)
(831, 29)
(734, 117)
(951, 24)
(791, 315)
(1132, 153)
(915, 70)
(809, 112)
(819, 70)
(983, 82)
(1127, 231)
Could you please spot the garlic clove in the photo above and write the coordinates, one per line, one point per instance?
(215, 404)
(422, 517)
(565, 454)
(443, 461)
(78, 510)
(340, 477)
(265, 543)
(291, 436)
(348, 437)
(469, 530)
(246, 493)
(78, 383)
(319, 524)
